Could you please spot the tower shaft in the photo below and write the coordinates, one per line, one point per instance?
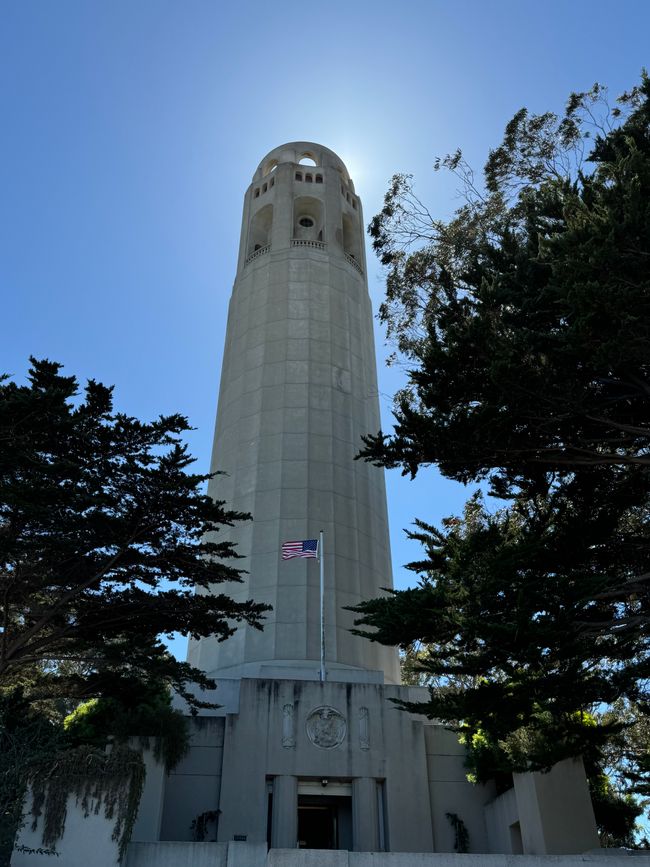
(298, 389)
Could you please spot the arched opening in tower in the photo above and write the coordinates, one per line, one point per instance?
(351, 241)
(308, 219)
(260, 229)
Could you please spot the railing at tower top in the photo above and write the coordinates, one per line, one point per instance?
(303, 242)
(259, 252)
(307, 242)
(354, 262)
(321, 245)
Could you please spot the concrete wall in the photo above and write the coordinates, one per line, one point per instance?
(247, 855)
(194, 786)
(502, 820)
(93, 833)
(177, 855)
(169, 854)
(320, 858)
(147, 824)
(82, 837)
(450, 792)
(555, 811)
(544, 814)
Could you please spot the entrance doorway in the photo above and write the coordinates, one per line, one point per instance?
(324, 822)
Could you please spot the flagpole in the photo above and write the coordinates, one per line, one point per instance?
(322, 607)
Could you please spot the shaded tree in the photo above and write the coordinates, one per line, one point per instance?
(105, 539)
(107, 542)
(522, 323)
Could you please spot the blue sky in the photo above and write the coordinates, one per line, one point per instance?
(131, 129)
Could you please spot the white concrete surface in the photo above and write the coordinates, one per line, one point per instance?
(147, 823)
(170, 854)
(87, 841)
(322, 858)
(555, 812)
(503, 827)
(194, 785)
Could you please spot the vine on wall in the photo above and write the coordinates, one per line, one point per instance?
(461, 834)
(112, 780)
(200, 826)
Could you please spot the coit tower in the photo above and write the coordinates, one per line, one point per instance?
(298, 390)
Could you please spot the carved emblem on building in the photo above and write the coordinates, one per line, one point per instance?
(288, 737)
(326, 727)
(364, 728)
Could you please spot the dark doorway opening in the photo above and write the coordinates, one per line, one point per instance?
(324, 822)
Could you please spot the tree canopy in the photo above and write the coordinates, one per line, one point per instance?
(525, 317)
(106, 542)
(523, 323)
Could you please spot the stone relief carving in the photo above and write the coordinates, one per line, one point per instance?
(364, 728)
(288, 732)
(326, 727)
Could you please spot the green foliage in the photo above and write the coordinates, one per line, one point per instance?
(524, 320)
(524, 327)
(27, 740)
(627, 756)
(506, 637)
(146, 712)
(87, 755)
(615, 813)
(106, 537)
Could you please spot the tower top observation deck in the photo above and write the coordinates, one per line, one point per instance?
(296, 152)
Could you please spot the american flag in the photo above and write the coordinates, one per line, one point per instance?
(305, 548)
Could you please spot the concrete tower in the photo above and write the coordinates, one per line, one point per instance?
(298, 389)
(282, 759)
(288, 760)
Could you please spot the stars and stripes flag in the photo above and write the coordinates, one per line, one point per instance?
(303, 548)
